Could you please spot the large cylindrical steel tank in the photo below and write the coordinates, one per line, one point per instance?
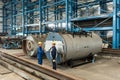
(29, 45)
(71, 47)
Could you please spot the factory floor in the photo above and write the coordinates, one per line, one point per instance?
(6, 74)
(103, 68)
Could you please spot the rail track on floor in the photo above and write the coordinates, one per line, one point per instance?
(35, 71)
(110, 52)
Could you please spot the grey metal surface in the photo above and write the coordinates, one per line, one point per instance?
(70, 47)
(30, 45)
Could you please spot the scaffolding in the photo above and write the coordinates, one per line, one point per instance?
(42, 16)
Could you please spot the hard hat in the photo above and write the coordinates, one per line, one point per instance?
(53, 43)
(39, 42)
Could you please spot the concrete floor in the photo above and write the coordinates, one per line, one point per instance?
(102, 69)
(6, 74)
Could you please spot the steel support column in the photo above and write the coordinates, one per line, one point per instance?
(14, 17)
(40, 16)
(116, 25)
(23, 20)
(103, 6)
(55, 15)
(11, 18)
(26, 18)
(3, 19)
(71, 14)
(67, 14)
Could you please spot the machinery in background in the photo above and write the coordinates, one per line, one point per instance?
(11, 43)
(2, 35)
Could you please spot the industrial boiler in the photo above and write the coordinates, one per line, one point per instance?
(71, 47)
(29, 44)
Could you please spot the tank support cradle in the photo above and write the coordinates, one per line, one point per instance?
(78, 62)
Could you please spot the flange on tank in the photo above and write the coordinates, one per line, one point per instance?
(29, 45)
(71, 48)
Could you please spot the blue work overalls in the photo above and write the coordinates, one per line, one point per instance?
(39, 55)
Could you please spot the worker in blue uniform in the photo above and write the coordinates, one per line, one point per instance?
(53, 54)
(40, 53)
